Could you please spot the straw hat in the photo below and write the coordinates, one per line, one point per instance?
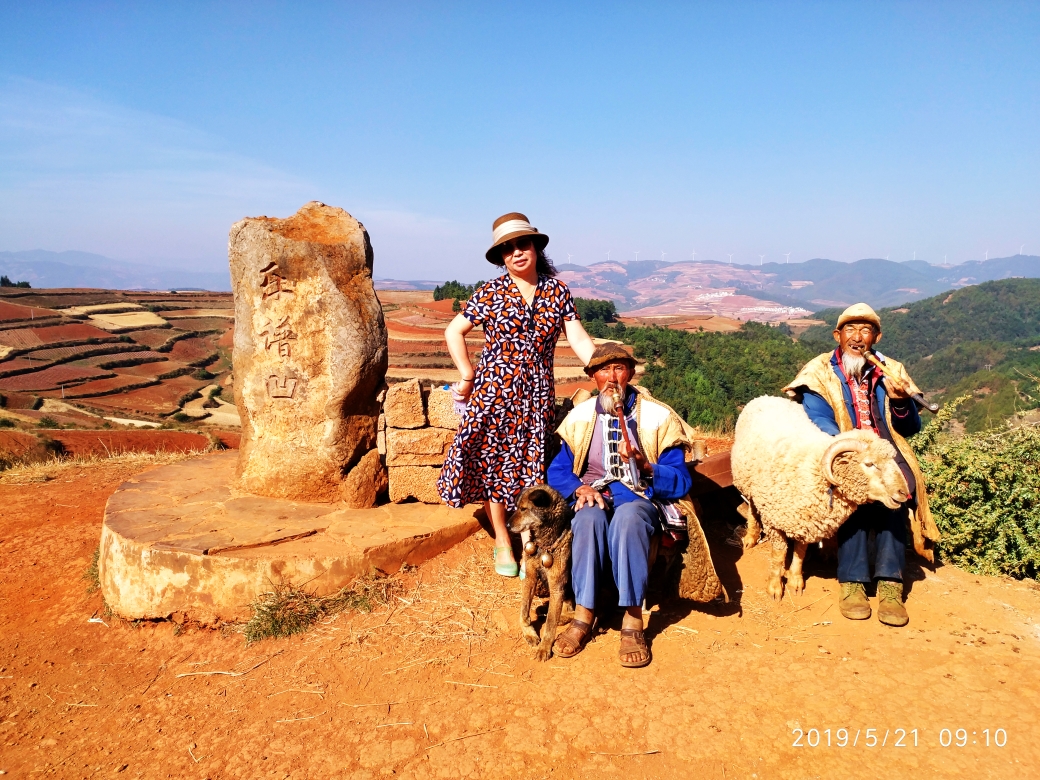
(608, 352)
(510, 226)
(859, 312)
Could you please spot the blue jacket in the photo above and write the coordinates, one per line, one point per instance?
(905, 418)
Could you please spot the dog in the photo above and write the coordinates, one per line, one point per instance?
(544, 513)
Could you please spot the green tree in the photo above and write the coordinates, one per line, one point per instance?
(595, 309)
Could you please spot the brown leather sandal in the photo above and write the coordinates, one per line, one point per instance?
(632, 642)
(573, 639)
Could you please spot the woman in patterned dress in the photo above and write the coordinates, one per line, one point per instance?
(500, 446)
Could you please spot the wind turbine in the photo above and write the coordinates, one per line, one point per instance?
(1021, 248)
(760, 259)
(788, 256)
(987, 254)
(663, 253)
(694, 253)
(608, 255)
(637, 257)
(730, 257)
(569, 256)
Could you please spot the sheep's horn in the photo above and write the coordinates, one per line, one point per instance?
(836, 449)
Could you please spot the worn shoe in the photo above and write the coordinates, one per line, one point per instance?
(890, 610)
(853, 603)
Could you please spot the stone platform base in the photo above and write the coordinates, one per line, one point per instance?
(180, 539)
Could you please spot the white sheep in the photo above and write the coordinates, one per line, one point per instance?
(802, 484)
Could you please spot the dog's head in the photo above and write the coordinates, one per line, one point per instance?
(540, 508)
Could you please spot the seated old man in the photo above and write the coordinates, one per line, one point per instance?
(611, 486)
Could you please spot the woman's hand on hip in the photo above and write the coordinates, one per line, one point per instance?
(462, 389)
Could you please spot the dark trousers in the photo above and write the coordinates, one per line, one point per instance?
(889, 526)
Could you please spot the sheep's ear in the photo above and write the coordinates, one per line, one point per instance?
(540, 497)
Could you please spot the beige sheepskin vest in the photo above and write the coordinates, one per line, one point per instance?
(658, 427)
(818, 376)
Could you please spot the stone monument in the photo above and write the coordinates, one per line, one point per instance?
(297, 504)
(309, 357)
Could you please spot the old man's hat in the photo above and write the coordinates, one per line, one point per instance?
(859, 312)
(510, 226)
(608, 352)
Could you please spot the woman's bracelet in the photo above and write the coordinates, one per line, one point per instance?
(467, 380)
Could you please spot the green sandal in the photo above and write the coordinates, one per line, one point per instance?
(511, 569)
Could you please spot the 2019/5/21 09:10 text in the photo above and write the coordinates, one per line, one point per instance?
(872, 737)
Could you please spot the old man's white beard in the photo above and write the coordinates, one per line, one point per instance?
(611, 395)
(853, 365)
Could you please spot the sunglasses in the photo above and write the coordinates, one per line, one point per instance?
(523, 244)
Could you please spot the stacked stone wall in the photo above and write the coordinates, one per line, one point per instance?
(415, 430)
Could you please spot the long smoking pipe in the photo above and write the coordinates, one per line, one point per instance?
(619, 410)
(917, 398)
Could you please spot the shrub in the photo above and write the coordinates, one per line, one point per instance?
(6, 422)
(202, 374)
(47, 422)
(984, 490)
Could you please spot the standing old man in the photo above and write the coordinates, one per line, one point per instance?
(841, 390)
(613, 489)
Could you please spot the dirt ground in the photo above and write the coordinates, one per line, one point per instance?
(439, 684)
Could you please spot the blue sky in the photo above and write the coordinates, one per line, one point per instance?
(840, 130)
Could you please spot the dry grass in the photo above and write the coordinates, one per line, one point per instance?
(44, 471)
(289, 610)
(448, 608)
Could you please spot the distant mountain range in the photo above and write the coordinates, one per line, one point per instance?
(82, 269)
(654, 288)
(774, 291)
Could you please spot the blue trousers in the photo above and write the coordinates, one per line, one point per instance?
(889, 526)
(620, 539)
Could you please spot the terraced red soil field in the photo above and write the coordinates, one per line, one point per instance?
(114, 384)
(50, 378)
(159, 399)
(114, 442)
(200, 324)
(152, 337)
(112, 358)
(27, 338)
(13, 312)
(190, 350)
(16, 443)
(153, 369)
(19, 364)
(63, 353)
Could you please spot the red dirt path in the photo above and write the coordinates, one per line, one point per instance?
(724, 697)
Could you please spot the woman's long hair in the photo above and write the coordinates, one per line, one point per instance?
(545, 265)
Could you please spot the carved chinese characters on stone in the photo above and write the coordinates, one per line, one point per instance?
(310, 351)
(281, 387)
(279, 336)
(273, 283)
